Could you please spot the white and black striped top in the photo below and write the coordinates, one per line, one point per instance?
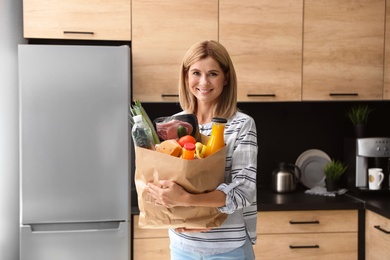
(240, 188)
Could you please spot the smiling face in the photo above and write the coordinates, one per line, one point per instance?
(206, 80)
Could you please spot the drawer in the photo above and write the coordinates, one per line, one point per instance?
(146, 232)
(277, 222)
(307, 246)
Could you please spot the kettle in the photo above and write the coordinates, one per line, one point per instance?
(285, 178)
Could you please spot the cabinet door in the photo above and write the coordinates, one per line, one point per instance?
(311, 221)
(377, 236)
(151, 248)
(386, 93)
(162, 33)
(307, 246)
(150, 243)
(343, 50)
(264, 39)
(74, 19)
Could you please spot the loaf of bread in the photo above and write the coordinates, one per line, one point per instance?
(171, 147)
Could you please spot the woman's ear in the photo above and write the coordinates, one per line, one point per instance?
(186, 79)
(227, 78)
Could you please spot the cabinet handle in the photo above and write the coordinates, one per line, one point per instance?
(260, 95)
(75, 32)
(300, 247)
(169, 95)
(343, 94)
(381, 229)
(304, 222)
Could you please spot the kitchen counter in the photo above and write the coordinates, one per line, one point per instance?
(298, 200)
(379, 204)
(270, 201)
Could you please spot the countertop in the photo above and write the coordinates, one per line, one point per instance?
(267, 200)
(377, 203)
(298, 200)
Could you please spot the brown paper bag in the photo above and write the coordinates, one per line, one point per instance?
(195, 176)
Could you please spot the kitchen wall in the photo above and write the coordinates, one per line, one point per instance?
(10, 35)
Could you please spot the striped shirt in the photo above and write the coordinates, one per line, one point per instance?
(239, 187)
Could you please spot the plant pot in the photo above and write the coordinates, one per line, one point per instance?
(360, 130)
(331, 185)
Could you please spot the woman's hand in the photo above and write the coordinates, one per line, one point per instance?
(168, 193)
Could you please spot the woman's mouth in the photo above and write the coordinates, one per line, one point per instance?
(204, 91)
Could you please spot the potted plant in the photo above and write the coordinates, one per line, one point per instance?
(333, 171)
(359, 117)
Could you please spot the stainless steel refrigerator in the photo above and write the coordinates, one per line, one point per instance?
(74, 152)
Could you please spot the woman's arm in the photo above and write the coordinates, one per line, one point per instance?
(170, 194)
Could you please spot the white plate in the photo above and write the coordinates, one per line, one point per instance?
(312, 162)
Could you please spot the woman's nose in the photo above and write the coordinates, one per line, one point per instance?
(203, 80)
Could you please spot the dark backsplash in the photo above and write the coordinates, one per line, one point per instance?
(286, 129)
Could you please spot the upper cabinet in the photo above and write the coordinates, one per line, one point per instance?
(286, 50)
(162, 32)
(343, 50)
(386, 91)
(264, 39)
(74, 19)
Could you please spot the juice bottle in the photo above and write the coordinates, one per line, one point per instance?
(188, 151)
(216, 140)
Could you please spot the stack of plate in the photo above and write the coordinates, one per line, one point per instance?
(312, 162)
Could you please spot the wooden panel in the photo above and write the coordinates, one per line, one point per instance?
(274, 222)
(330, 246)
(151, 248)
(386, 93)
(343, 49)
(107, 19)
(377, 242)
(162, 32)
(264, 39)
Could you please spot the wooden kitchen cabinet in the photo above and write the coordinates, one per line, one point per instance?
(343, 50)
(150, 243)
(327, 234)
(264, 39)
(162, 32)
(386, 91)
(377, 236)
(73, 19)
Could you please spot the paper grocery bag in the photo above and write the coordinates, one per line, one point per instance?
(195, 176)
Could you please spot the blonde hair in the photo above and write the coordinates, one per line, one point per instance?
(227, 101)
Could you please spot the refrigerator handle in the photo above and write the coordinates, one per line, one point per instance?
(76, 227)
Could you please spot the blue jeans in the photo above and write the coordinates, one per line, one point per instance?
(245, 252)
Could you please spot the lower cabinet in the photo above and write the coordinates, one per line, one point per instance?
(328, 234)
(377, 236)
(322, 234)
(150, 243)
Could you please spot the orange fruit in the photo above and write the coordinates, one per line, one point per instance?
(186, 139)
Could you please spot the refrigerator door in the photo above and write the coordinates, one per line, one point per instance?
(104, 242)
(74, 133)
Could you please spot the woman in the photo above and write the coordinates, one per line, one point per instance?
(208, 88)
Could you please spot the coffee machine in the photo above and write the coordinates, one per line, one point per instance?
(372, 152)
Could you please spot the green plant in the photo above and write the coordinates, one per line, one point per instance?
(334, 169)
(359, 114)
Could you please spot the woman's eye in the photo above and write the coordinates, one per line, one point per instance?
(196, 73)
